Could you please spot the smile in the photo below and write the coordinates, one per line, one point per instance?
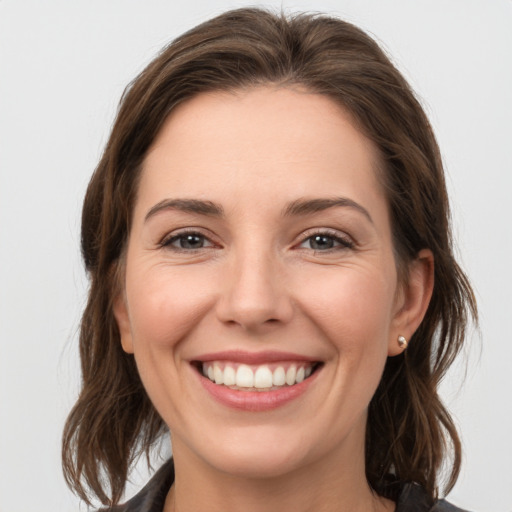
(265, 377)
(256, 382)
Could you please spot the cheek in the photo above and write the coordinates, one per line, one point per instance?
(352, 309)
(353, 306)
(165, 304)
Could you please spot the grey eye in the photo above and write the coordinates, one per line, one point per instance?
(321, 242)
(189, 241)
(325, 241)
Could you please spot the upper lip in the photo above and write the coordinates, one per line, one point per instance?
(254, 358)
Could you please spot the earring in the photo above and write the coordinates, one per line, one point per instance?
(402, 342)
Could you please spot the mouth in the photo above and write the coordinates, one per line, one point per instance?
(256, 381)
(256, 378)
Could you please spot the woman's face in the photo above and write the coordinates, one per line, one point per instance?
(260, 257)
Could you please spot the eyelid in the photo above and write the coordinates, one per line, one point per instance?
(168, 238)
(344, 239)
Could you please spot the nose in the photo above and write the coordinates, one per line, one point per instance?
(254, 293)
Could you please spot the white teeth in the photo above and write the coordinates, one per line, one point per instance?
(218, 374)
(290, 376)
(244, 377)
(279, 377)
(263, 377)
(260, 377)
(229, 376)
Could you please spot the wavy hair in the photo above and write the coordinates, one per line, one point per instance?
(409, 431)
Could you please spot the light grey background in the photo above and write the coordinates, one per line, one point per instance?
(63, 67)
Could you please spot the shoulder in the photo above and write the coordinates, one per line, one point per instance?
(413, 498)
(152, 497)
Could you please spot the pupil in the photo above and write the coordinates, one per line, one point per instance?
(322, 242)
(191, 242)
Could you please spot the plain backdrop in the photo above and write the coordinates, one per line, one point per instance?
(63, 67)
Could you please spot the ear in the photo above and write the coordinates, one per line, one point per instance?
(413, 299)
(123, 323)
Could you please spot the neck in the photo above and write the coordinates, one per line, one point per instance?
(323, 486)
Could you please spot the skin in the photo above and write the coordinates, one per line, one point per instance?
(254, 281)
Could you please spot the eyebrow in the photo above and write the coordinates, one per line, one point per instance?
(187, 205)
(295, 208)
(308, 206)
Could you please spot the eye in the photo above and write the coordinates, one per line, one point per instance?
(326, 242)
(188, 241)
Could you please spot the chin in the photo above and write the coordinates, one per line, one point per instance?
(258, 463)
(257, 453)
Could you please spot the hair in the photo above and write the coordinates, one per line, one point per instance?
(409, 431)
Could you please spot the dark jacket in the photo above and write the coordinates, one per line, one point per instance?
(151, 498)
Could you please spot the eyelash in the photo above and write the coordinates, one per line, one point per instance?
(168, 241)
(344, 242)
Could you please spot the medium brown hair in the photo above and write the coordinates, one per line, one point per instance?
(409, 431)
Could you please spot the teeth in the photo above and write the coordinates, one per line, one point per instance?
(279, 377)
(229, 376)
(263, 377)
(259, 377)
(290, 375)
(218, 374)
(244, 377)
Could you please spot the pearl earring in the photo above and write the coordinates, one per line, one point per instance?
(402, 342)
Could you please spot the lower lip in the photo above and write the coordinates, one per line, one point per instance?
(256, 401)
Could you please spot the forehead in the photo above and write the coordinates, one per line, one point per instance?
(277, 142)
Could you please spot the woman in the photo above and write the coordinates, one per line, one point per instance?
(272, 280)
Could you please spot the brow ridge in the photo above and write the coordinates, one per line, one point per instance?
(295, 208)
(308, 206)
(198, 206)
